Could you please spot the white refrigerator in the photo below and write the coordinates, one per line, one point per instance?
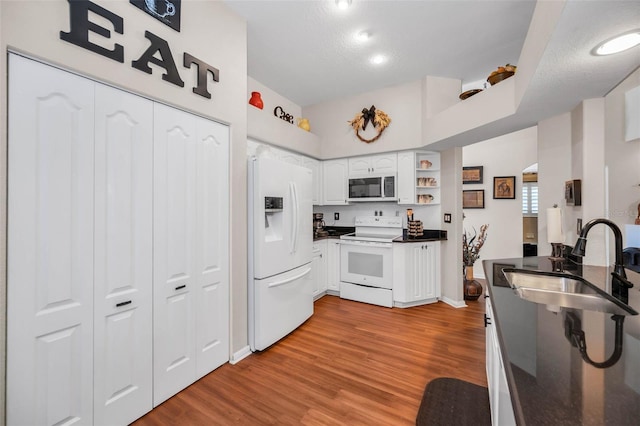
(280, 246)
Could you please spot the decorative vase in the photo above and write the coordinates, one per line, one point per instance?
(303, 123)
(256, 100)
(468, 272)
(472, 288)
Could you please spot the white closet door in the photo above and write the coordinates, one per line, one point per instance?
(123, 256)
(174, 260)
(212, 239)
(50, 246)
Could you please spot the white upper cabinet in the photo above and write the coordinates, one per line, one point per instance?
(316, 179)
(406, 177)
(373, 165)
(334, 182)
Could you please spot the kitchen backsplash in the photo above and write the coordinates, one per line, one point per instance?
(427, 214)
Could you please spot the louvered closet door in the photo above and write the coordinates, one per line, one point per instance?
(212, 239)
(123, 256)
(174, 260)
(50, 246)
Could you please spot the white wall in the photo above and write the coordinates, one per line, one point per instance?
(554, 168)
(451, 162)
(210, 31)
(622, 158)
(506, 155)
(272, 99)
(330, 121)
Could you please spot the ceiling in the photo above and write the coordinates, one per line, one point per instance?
(306, 50)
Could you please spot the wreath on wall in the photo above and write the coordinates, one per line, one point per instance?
(377, 117)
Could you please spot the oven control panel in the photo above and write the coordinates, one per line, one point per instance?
(379, 221)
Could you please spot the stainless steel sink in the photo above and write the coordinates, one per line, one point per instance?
(564, 290)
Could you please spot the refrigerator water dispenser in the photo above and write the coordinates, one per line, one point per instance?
(273, 218)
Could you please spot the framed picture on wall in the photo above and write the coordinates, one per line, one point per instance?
(573, 192)
(504, 187)
(473, 199)
(472, 174)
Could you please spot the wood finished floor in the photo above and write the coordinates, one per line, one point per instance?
(350, 364)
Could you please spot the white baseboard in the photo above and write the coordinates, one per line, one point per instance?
(238, 356)
(416, 303)
(454, 303)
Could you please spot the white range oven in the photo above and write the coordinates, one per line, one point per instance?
(366, 260)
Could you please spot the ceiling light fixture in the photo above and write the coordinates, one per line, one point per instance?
(378, 59)
(362, 36)
(618, 43)
(343, 4)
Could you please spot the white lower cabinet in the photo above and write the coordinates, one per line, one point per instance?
(499, 396)
(416, 273)
(319, 268)
(333, 266)
(92, 237)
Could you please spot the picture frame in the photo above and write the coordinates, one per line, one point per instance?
(473, 199)
(504, 187)
(472, 174)
(499, 280)
(573, 192)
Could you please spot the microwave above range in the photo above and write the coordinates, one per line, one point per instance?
(372, 188)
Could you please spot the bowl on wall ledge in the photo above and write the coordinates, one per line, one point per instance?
(497, 78)
(469, 93)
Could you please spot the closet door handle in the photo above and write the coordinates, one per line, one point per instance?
(180, 287)
(128, 302)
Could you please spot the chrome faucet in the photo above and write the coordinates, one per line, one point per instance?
(619, 284)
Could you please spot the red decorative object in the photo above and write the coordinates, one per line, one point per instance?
(256, 100)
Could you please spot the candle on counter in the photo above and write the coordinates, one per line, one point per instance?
(554, 226)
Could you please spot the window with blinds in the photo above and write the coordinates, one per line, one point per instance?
(530, 198)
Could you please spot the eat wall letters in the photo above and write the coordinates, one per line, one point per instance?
(78, 34)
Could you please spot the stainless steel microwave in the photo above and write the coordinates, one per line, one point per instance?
(372, 188)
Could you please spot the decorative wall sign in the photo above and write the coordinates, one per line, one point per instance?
(473, 199)
(279, 112)
(378, 118)
(504, 187)
(472, 174)
(165, 11)
(83, 32)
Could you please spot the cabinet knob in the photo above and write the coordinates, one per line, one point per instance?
(487, 320)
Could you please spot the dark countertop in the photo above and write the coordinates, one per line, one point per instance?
(428, 235)
(550, 383)
(335, 232)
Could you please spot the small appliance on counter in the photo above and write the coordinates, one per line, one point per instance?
(318, 226)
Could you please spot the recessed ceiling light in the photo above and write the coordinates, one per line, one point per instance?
(378, 59)
(618, 43)
(343, 4)
(362, 36)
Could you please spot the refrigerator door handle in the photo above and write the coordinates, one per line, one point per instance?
(296, 208)
(292, 241)
(288, 280)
